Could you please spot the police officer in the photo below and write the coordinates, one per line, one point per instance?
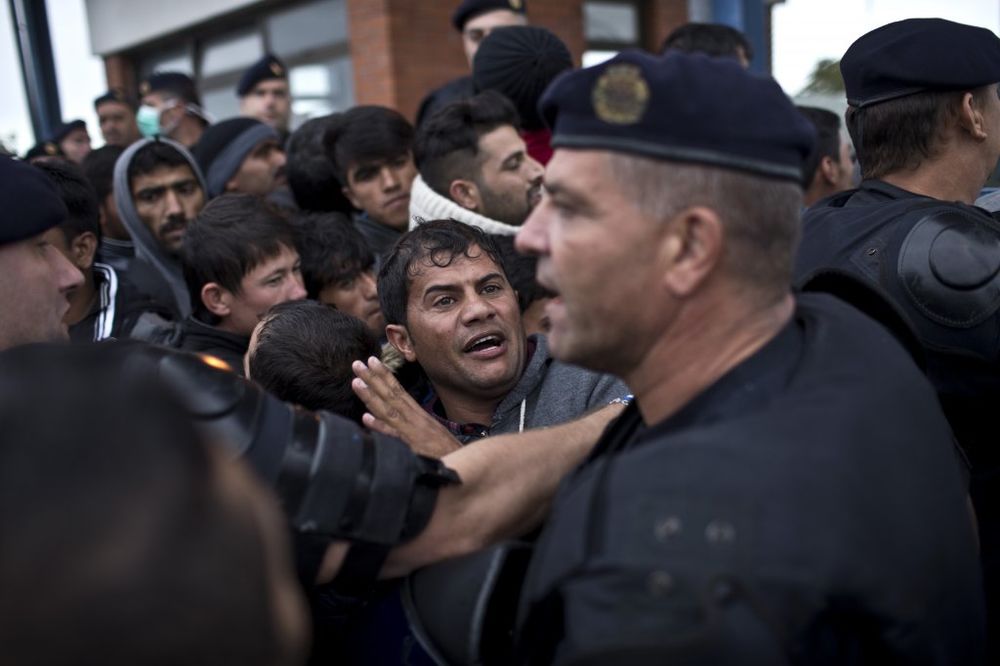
(37, 278)
(784, 488)
(924, 115)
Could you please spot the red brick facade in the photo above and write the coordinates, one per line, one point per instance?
(401, 49)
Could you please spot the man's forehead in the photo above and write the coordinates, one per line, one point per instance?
(376, 162)
(112, 106)
(501, 141)
(429, 271)
(494, 19)
(271, 84)
(164, 175)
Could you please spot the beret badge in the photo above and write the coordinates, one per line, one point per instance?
(516, 5)
(621, 95)
(276, 69)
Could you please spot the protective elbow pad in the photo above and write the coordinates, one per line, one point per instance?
(334, 478)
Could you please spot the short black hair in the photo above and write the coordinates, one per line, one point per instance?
(232, 235)
(304, 353)
(433, 243)
(714, 39)
(827, 126)
(309, 169)
(153, 156)
(521, 270)
(901, 133)
(113, 503)
(447, 144)
(78, 195)
(366, 134)
(332, 251)
(99, 168)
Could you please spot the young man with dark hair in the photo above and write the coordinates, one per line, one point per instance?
(338, 269)
(116, 247)
(159, 190)
(310, 172)
(449, 307)
(830, 166)
(474, 167)
(714, 39)
(371, 151)
(302, 351)
(239, 259)
(106, 305)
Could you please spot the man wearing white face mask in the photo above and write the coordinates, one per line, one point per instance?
(171, 107)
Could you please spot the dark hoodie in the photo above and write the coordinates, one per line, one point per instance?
(153, 270)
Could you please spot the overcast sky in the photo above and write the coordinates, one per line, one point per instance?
(804, 31)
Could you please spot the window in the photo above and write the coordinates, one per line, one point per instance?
(609, 27)
(310, 37)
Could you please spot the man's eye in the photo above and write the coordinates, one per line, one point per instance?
(492, 289)
(444, 301)
(186, 188)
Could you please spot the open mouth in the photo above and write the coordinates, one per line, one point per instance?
(488, 343)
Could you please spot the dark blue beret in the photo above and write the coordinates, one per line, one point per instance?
(268, 67)
(914, 55)
(60, 132)
(29, 202)
(684, 107)
(470, 9)
(176, 84)
(115, 95)
(44, 149)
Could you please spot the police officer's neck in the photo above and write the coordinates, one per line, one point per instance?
(701, 346)
(944, 178)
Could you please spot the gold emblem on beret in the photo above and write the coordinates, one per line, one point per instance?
(144, 88)
(516, 5)
(620, 95)
(276, 69)
(50, 149)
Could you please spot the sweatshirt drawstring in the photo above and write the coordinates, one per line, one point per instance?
(524, 404)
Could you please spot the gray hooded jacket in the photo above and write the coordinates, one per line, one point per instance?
(153, 270)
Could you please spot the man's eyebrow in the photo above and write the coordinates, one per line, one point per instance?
(434, 288)
(487, 278)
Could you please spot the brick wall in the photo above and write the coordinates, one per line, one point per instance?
(401, 49)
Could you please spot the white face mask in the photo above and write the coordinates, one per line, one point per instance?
(148, 120)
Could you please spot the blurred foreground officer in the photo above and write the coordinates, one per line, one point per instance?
(128, 538)
(924, 115)
(784, 488)
(37, 278)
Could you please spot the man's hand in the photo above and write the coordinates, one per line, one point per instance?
(391, 411)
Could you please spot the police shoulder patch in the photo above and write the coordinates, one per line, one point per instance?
(621, 95)
(949, 265)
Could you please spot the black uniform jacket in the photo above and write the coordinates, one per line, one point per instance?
(806, 508)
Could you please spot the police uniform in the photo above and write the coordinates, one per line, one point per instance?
(807, 507)
(937, 260)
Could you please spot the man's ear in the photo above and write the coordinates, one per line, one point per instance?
(82, 249)
(216, 299)
(466, 194)
(692, 249)
(399, 338)
(972, 119)
(350, 197)
(829, 170)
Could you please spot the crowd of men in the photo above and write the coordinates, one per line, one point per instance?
(681, 373)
